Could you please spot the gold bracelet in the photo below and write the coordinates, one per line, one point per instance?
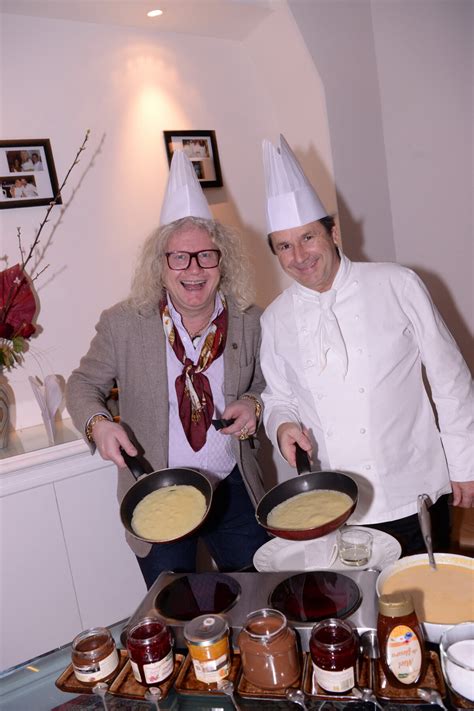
(91, 423)
(256, 402)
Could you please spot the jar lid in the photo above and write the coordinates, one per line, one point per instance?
(397, 604)
(205, 629)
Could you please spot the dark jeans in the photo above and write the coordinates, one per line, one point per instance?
(408, 534)
(231, 534)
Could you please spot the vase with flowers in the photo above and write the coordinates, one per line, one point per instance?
(19, 306)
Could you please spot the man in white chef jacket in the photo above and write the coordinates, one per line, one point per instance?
(342, 355)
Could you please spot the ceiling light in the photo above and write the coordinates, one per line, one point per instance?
(155, 13)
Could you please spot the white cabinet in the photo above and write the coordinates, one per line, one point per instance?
(65, 565)
(107, 579)
(37, 599)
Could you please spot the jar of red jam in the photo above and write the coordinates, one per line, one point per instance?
(268, 650)
(333, 648)
(94, 655)
(150, 649)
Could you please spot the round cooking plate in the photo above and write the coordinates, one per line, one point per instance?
(314, 596)
(197, 594)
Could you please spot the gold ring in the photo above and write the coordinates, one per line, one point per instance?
(244, 433)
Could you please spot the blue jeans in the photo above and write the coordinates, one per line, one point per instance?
(231, 534)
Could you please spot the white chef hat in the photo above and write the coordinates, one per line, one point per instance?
(291, 199)
(183, 196)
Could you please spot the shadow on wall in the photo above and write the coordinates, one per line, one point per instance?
(351, 230)
(450, 313)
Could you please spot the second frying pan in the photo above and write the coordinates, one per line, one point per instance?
(307, 481)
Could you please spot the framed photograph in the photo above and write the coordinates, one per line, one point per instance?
(201, 149)
(27, 174)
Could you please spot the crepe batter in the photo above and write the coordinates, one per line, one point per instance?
(442, 596)
(309, 509)
(169, 512)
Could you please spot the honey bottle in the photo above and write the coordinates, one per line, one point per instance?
(401, 640)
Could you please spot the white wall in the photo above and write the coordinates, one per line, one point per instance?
(426, 98)
(398, 81)
(370, 62)
(130, 85)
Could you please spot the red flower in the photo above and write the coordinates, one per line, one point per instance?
(6, 331)
(17, 303)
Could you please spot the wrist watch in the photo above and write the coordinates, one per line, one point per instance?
(256, 402)
(91, 423)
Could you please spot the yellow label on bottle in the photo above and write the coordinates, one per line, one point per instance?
(404, 654)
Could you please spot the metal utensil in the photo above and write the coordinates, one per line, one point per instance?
(431, 696)
(296, 696)
(424, 518)
(153, 694)
(101, 689)
(370, 648)
(367, 696)
(227, 688)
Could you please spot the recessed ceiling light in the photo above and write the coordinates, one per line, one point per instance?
(155, 13)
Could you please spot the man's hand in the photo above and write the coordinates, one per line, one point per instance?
(243, 412)
(288, 433)
(109, 437)
(463, 494)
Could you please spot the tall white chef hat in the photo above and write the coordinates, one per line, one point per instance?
(291, 199)
(183, 196)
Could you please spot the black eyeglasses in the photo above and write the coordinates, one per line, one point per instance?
(206, 259)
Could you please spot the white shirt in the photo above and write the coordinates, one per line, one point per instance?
(215, 458)
(369, 415)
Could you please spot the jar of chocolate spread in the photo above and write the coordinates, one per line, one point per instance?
(94, 655)
(268, 650)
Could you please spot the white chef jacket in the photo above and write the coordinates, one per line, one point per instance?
(367, 408)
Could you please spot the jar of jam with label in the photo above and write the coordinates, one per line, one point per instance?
(333, 648)
(150, 650)
(94, 655)
(401, 640)
(207, 638)
(268, 650)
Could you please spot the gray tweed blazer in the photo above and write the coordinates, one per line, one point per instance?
(130, 347)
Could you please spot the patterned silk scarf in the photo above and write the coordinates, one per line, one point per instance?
(195, 401)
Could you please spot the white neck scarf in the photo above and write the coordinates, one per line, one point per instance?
(328, 333)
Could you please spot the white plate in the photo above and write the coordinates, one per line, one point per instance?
(279, 555)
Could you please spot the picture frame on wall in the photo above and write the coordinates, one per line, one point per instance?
(201, 149)
(27, 173)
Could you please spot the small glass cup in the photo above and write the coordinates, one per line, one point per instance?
(354, 546)
(457, 659)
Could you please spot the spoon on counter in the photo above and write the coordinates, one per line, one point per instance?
(367, 696)
(227, 688)
(369, 645)
(431, 696)
(296, 696)
(153, 695)
(101, 689)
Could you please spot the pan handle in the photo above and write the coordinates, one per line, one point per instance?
(302, 460)
(132, 463)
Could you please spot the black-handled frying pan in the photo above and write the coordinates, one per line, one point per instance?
(147, 483)
(307, 481)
